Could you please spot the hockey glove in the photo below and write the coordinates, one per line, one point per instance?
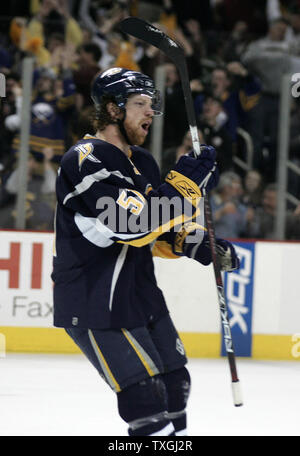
(201, 252)
(193, 177)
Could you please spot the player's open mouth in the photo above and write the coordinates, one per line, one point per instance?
(146, 126)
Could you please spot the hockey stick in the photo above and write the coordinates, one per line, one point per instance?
(152, 35)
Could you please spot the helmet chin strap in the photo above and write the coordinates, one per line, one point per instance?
(120, 123)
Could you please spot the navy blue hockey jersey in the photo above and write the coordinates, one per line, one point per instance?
(103, 269)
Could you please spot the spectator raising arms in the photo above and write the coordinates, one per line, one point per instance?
(54, 16)
(239, 92)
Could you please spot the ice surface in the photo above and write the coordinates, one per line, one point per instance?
(63, 395)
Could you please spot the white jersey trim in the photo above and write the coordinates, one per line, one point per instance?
(118, 267)
(93, 230)
(90, 179)
(97, 233)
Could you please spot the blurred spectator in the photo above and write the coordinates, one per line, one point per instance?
(211, 123)
(253, 188)
(126, 57)
(237, 42)
(100, 20)
(87, 63)
(229, 214)
(263, 223)
(175, 120)
(82, 124)
(269, 58)
(124, 54)
(40, 196)
(195, 35)
(55, 41)
(10, 108)
(228, 12)
(189, 37)
(101, 17)
(239, 92)
(25, 42)
(52, 106)
(120, 53)
(54, 16)
(150, 59)
(293, 225)
(172, 155)
(87, 36)
(290, 10)
(63, 57)
(111, 50)
(191, 44)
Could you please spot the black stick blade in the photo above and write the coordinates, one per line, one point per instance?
(147, 32)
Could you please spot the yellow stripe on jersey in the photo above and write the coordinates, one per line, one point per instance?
(150, 237)
(145, 359)
(105, 367)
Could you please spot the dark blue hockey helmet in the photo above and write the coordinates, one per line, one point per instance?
(121, 83)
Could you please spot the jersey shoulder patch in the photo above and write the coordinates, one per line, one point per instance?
(85, 152)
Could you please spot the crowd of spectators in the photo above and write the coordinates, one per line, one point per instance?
(236, 52)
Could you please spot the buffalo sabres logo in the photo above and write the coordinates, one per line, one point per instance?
(111, 72)
(42, 113)
(85, 152)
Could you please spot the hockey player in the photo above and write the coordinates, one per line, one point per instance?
(105, 292)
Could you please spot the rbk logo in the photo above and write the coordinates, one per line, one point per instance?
(186, 189)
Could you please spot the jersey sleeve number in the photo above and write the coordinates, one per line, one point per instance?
(134, 204)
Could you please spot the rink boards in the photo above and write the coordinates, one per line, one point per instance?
(262, 298)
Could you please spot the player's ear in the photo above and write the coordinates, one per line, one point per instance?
(114, 111)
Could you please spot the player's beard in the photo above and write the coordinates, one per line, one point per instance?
(135, 137)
